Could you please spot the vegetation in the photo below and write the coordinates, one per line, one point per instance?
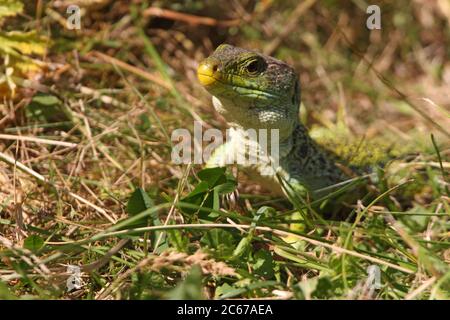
(86, 177)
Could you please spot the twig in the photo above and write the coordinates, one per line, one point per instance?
(104, 260)
(38, 140)
(103, 98)
(421, 288)
(189, 18)
(130, 68)
(22, 167)
(10, 115)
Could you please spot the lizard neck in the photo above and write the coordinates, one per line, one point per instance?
(247, 116)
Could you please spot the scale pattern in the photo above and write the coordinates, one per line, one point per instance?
(254, 91)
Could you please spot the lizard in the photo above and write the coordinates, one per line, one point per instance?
(255, 91)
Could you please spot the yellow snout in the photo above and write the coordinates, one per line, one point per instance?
(207, 72)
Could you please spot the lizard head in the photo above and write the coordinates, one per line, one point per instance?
(251, 90)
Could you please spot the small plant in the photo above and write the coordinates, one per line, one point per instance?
(16, 50)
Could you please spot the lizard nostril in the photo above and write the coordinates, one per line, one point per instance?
(207, 72)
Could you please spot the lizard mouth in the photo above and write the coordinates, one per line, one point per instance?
(222, 88)
(229, 85)
(206, 73)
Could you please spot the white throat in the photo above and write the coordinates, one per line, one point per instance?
(258, 117)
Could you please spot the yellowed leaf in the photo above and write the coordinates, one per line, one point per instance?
(23, 42)
(10, 8)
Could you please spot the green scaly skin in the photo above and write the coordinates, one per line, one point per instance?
(254, 91)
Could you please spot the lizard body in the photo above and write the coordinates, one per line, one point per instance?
(254, 91)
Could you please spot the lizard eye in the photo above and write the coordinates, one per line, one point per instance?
(255, 66)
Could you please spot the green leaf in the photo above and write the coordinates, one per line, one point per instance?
(138, 202)
(199, 190)
(213, 176)
(243, 247)
(416, 223)
(304, 261)
(224, 289)
(33, 243)
(5, 294)
(191, 288)
(253, 286)
(216, 200)
(47, 108)
(196, 197)
(214, 182)
(46, 100)
(179, 239)
(225, 188)
(318, 287)
(220, 242)
(264, 265)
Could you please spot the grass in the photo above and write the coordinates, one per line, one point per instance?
(86, 177)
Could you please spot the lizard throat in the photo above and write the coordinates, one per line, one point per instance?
(251, 115)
